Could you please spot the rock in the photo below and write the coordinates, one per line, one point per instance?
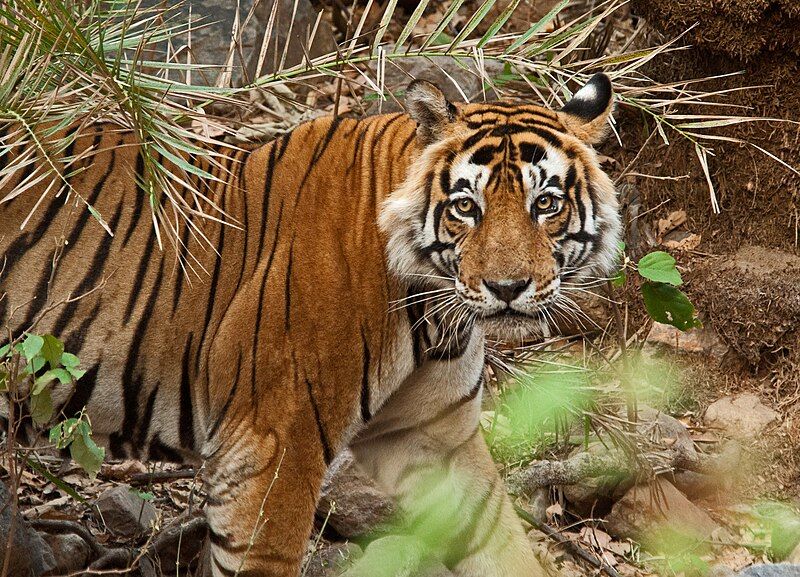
(740, 415)
(331, 559)
(360, 506)
(181, 542)
(301, 23)
(778, 570)
(211, 36)
(596, 495)
(125, 513)
(442, 71)
(658, 513)
(70, 551)
(701, 340)
(794, 556)
(665, 430)
(29, 555)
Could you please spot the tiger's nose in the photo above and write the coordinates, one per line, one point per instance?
(507, 290)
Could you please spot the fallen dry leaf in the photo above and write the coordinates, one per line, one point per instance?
(673, 221)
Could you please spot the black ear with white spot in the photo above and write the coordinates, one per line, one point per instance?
(586, 114)
(427, 105)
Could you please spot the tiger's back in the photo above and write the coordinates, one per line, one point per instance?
(145, 327)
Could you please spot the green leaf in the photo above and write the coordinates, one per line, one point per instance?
(76, 373)
(3, 381)
(69, 360)
(668, 305)
(55, 435)
(35, 365)
(619, 279)
(4, 350)
(52, 350)
(85, 451)
(42, 381)
(659, 266)
(143, 495)
(42, 407)
(31, 346)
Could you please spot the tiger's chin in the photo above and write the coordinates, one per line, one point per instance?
(513, 326)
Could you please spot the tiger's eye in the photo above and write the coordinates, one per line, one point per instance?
(465, 206)
(546, 203)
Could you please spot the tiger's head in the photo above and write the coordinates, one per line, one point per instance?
(506, 207)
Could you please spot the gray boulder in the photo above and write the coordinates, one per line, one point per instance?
(28, 555)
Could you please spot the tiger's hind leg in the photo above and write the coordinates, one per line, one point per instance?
(261, 498)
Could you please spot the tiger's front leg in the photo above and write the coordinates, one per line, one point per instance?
(425, 448)
(262, 490)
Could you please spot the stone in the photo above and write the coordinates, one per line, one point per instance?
(794, 556)
(330, 559)
(355, 503)
(702, 340)
(742, 416)
(213, 24)
(300, 23)
(70, 551)
(653, 514)
(777, 570)
(125, 513)
(456, 82)
(595, 495)
(29, 555)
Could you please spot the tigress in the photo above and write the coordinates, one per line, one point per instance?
(294, 346)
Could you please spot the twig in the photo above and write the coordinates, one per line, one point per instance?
(161, 476)
(561, 540)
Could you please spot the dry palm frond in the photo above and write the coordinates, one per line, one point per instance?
(64, 61)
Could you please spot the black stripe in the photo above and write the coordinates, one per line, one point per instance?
(186, 426)
(89, 280)
(460, 541)
(132, 378)
(213, 291)
(179, 278)
(141, 273)
(224, 542)
(140, 194)
(84, 387)
(231, 394)
(323, 439)
(147, 417)
(260, 304)
(428, 192)
(366, 414)
(267, 189)
(158, 451)
(75, 232)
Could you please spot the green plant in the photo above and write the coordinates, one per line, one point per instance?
(30, 368)
(665, 303)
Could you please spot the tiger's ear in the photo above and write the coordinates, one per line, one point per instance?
(428, 106)
(586, 114)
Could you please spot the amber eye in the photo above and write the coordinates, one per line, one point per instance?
(466, 206)
(546, 203)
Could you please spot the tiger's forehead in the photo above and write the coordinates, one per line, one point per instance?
(497, 115)
(515, 130)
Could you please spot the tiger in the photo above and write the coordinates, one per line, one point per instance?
(349, 308)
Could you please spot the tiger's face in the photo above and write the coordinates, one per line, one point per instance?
(506, 209)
